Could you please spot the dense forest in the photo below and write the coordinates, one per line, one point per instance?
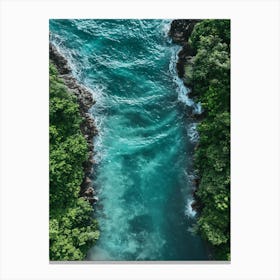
(72, 229)
(209, 76)
(204, 65)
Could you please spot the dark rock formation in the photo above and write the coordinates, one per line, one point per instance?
(181, 29)
(185, 54)
(198, 117)
(89, 195)
(88, 128)
(59, 60)
(180, 32)
(196, 205)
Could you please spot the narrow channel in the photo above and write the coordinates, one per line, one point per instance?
(144, 146)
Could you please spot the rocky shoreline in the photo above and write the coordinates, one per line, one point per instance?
(180, 31)
(88, 128)
(198, 74)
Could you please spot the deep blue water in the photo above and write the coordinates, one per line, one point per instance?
(143, 151)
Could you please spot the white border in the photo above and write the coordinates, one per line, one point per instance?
(24, 138)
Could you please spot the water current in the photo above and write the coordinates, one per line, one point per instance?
(143, 152)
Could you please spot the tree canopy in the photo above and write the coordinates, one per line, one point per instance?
(210, 41)
(72, 228)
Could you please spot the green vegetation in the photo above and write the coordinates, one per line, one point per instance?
(210, 40)
(72, 229)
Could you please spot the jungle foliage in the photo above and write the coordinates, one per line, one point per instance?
(210, 41)
(72, 229)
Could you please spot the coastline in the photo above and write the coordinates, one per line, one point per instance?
(88, 128)
(180, 31)
(207, 76)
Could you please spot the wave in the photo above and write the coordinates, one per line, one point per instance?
(182, 90)
(192, 132)
(189, 211)
(193, 135)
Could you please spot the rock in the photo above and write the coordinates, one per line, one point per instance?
(92, 200)
(87, 180)
(185, 56)
(86, 183)
(84, 96)
(88, 128)
(59, 60)
(196, 182)
(89, 192)
(198, 117)
(89, 171)
(196, 206)
(181, 29)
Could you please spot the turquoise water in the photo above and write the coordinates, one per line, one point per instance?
(143, 151)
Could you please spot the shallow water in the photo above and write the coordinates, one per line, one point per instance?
(143, 151)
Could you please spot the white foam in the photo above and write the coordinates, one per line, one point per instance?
(192, 132)
(166, 28)
(197, 108)
(97, 111)
(183, 97)
(97, 91)
(182, 90)
(189, 211)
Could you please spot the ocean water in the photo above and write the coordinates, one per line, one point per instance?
(143, 152)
